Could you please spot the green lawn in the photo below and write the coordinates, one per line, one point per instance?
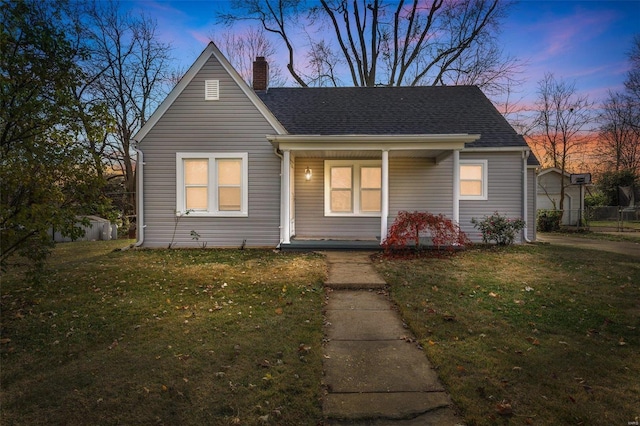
(187, 337)
(534, 334)
(531, 334)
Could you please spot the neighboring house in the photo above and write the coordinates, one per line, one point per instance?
(307, 167)
(550, 182)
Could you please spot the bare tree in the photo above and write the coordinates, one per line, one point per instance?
(131, 74)
(399, 43)
(560, 130)
(242, 49)
(277, 17)
(619, 140)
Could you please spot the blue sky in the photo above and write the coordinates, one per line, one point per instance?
(585, 42)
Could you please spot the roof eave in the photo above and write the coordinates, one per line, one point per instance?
(371, 142)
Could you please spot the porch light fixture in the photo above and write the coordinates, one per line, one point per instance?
(307, 173)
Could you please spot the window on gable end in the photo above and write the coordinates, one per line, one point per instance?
(212, 184)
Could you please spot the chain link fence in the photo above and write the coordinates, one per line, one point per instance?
(619, 218)
(601, 218)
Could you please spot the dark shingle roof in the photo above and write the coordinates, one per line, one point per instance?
(391, 110)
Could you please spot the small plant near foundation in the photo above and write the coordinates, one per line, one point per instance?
(195, 236)
(498, 228)
(410, 229)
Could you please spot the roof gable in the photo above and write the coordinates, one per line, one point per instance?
(208, 52)
(392, 110)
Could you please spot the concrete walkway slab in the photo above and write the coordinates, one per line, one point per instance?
(342, 266)
(374, 373)
(363, 325)
(358, 300)
(374, 405)
(378, 366)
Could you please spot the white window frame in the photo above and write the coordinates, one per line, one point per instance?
(355, 190)
(212, 187)
(485, 179)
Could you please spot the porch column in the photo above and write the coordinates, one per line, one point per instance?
(456, 186)
(384, 208)
(285, 200)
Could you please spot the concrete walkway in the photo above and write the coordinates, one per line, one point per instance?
(374, 372)
(627, 248)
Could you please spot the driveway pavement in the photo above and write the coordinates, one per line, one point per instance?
(627, 248)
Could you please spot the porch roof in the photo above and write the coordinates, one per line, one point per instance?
(347, 145)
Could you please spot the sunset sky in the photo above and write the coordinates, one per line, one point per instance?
(582, 41)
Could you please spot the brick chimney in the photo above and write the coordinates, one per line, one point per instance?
(260, 73)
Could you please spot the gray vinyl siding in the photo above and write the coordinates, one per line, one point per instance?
(504, 190)
(191, 124)
(414, 184)
(419, 184)
(309, 208)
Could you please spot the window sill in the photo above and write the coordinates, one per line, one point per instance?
(352, 214)
(212, 214)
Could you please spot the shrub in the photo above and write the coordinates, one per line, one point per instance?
(549, 220)
(500, 229)
(410, 227)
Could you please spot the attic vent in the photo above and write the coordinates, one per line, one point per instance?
(211, 90)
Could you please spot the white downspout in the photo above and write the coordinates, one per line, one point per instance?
(456, 186)
(285, 204)
(525, 231)
(384, 216)
(139, 196)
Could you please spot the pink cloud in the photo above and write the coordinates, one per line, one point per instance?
(560, 36)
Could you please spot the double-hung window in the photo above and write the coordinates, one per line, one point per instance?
(212, 184)
(473, 180)
(353, 188)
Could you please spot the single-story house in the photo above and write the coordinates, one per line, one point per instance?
(294, 167)
(550, 183)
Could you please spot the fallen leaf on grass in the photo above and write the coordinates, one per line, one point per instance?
(492, 294)
(504, 408)
(279, 311)
(533, 341)
(304, 348)
(4, 341)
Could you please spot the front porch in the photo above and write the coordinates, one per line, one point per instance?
(413, 172)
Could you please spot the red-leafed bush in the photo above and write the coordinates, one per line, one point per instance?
(409, 227)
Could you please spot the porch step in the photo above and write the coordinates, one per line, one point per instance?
(332, 244)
